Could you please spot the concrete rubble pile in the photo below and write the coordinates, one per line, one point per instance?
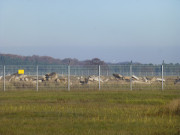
(89, 79)
(139, 80)
(18, 77)
(54, 77)
(50, 77)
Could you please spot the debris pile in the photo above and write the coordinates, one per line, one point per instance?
(135, 79)
(89, 79)
(93, 79)
(18, 77)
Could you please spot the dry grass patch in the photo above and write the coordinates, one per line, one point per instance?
(174, 107)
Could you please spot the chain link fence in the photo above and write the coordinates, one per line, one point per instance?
(92, 77)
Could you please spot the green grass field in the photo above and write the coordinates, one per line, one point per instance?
(143, 112)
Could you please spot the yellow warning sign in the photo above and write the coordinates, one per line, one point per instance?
(21, 71)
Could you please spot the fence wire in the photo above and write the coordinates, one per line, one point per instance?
(91, 77)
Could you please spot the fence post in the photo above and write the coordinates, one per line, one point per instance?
(69, 77)
(37, 78)
(162, 68)
(131, 76)
(99, 77)
(4, 78)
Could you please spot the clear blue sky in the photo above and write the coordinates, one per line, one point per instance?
(146, 31)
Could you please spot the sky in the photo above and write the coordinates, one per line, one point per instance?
(146, 31)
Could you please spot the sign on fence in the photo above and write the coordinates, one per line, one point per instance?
(21, 71)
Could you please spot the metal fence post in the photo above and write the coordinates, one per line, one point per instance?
(162, 68)
(107, 73)
(69, 77)
(131, 76)
(4, 78)
(37, 79)
(99, 77)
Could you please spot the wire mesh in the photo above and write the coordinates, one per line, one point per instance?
(83, 77)
(15, 81)
(115, 77)
(52, 77)
(147, 77)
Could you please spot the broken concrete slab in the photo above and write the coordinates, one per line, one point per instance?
(160, 80)
(140, 82)
(127, 78)
(135, 77)
(94, 78)
(118, 76)
(145, 79)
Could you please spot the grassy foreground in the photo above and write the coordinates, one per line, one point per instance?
(90, 112)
